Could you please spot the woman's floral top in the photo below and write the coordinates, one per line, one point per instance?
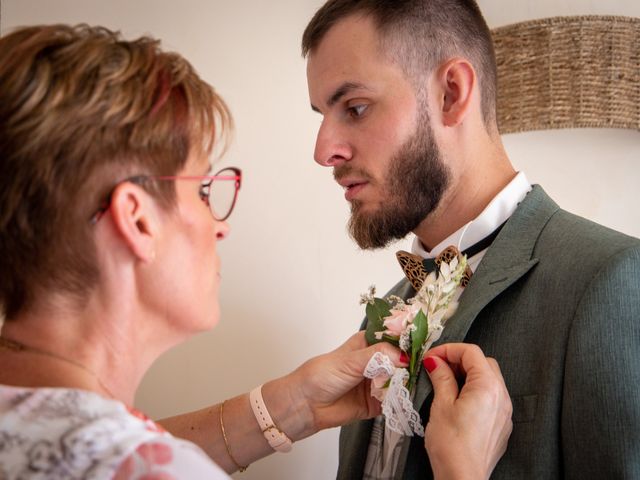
(57, 433)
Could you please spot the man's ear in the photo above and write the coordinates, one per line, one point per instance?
(135, 218)
(456, 80)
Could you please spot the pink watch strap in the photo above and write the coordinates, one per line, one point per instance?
(277, 439)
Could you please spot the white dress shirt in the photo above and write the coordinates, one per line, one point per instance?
(495, 214)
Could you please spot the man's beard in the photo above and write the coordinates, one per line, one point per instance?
(415, 183)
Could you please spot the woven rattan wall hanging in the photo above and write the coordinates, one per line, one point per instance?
(568, 72)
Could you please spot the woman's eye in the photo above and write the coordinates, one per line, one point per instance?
(357, 111)
(204, 190)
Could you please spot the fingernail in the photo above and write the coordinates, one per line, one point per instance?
(430, 364)
(404, 358)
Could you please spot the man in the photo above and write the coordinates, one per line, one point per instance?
(407, 91)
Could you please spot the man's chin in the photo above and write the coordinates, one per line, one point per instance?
(371, 233)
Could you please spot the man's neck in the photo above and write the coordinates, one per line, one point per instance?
(461, 205)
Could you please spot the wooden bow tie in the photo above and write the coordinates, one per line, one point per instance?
(417, 268)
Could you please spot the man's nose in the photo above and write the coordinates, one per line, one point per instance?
(332, 149)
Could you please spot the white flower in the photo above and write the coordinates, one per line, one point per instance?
(451, 309)
(396, 301)
(445, 271)
(405, 338)
(449, 287)
(434, 336)
(436, 318)
(368, 297)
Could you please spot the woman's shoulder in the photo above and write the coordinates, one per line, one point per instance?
(66, 433)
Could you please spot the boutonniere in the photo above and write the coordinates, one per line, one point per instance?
(413, 326)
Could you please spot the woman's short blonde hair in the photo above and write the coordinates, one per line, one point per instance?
(80, 109)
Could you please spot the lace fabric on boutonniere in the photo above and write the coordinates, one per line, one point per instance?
(413, 326)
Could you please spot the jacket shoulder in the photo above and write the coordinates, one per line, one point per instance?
(582, 238)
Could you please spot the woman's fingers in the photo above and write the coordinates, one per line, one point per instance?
(464, 357)
(443, 379)
(356, 341)
(475, 420)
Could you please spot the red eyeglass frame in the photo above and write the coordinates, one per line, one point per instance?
(139, 179)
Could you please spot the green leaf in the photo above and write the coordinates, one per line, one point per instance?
(418, 336)
(376, 314)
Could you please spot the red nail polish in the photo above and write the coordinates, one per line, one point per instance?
(404, 358)
(430, 364)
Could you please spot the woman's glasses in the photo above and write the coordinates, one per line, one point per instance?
(218, 191)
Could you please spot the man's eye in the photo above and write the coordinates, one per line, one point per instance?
(357, 111)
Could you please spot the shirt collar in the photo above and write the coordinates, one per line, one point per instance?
(495, 214)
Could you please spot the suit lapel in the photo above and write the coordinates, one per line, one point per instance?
(507, 260)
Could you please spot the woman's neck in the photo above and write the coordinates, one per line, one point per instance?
(89, 352)
(27, 367)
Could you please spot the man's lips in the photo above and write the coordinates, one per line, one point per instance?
(352, 187)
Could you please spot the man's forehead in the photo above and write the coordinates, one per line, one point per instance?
(348, 35)
(344, 57)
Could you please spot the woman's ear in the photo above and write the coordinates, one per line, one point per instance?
(456, 80)
(135, 218)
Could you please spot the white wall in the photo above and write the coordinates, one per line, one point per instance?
(291, 275)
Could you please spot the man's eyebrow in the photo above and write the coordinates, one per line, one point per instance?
(340, 92)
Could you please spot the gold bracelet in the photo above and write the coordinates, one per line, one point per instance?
(226, 443)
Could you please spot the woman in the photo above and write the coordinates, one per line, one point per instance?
(108, 232)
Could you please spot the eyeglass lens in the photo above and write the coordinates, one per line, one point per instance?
(222, 194)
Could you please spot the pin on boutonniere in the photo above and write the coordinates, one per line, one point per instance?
(413, 326)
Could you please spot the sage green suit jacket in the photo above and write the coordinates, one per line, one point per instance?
(556, 300)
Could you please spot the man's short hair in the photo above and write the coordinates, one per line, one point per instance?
(421, 34)
(80, 110)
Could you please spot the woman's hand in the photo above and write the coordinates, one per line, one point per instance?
(468, 428)
(330, 390)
